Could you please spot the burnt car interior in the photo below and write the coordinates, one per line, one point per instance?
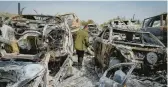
(124, 36)
(121, 72)
(33, 45)
(157, 25)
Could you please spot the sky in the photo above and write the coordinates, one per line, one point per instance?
(99, 11)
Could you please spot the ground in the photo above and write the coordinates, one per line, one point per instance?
(81, 78)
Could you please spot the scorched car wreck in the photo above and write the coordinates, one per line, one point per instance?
(42, 42)
(125, 45)
(144, 54)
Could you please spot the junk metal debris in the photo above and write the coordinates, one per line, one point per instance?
(130, 75)
(116, 47)
(127, 45)
(94, 30)
(37, 51)
(42, 41)
(157, 25)
(72, 21)
(125, 24)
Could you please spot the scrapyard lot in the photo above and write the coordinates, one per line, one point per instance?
(121, 57)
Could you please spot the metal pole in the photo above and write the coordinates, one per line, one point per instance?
(18, 8)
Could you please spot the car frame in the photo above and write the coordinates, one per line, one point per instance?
(105, 47)
(157, 25)
(129, 77)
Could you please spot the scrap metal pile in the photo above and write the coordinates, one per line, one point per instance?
(130, 58)
(122, 56)
(43, 41)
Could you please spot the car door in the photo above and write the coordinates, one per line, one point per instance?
(156, 26)
(97, 47)
(104, 48)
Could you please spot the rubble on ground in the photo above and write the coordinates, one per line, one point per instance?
(37, 51)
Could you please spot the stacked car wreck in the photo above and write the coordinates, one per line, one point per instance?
(40, 50)
(130, 58)
(41, 39)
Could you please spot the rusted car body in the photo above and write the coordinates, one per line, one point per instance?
(124, 45)
(132, 75)
(157, 25)
(42, 42)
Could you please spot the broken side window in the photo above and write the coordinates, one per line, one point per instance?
(156, 23)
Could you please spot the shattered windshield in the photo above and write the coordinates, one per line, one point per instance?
(135, 37)
(127, 37)
(149, 40)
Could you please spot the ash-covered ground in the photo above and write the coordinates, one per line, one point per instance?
(86, 77)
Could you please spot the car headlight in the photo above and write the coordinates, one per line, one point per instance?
(152, 57)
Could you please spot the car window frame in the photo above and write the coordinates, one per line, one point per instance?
(133, 65)
(104, 33)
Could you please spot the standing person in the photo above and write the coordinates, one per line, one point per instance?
(81, 43)
(8, 33)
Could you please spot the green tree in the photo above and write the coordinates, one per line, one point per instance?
(90, 21)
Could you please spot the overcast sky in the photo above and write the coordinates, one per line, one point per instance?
(99, 11)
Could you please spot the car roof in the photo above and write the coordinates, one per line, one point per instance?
(156, 15)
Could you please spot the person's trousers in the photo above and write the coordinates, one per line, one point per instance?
(80, 54)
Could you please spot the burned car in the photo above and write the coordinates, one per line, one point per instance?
(157, 25)
(44, 31)
(124, 45)
(130, 24)
(132, 75)
(72, 20)
(41, 44)
(23, 70)
(93, 31)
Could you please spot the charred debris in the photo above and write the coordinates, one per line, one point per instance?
(44, 42)
(43, 56)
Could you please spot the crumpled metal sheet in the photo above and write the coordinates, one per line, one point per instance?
(14, 72)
